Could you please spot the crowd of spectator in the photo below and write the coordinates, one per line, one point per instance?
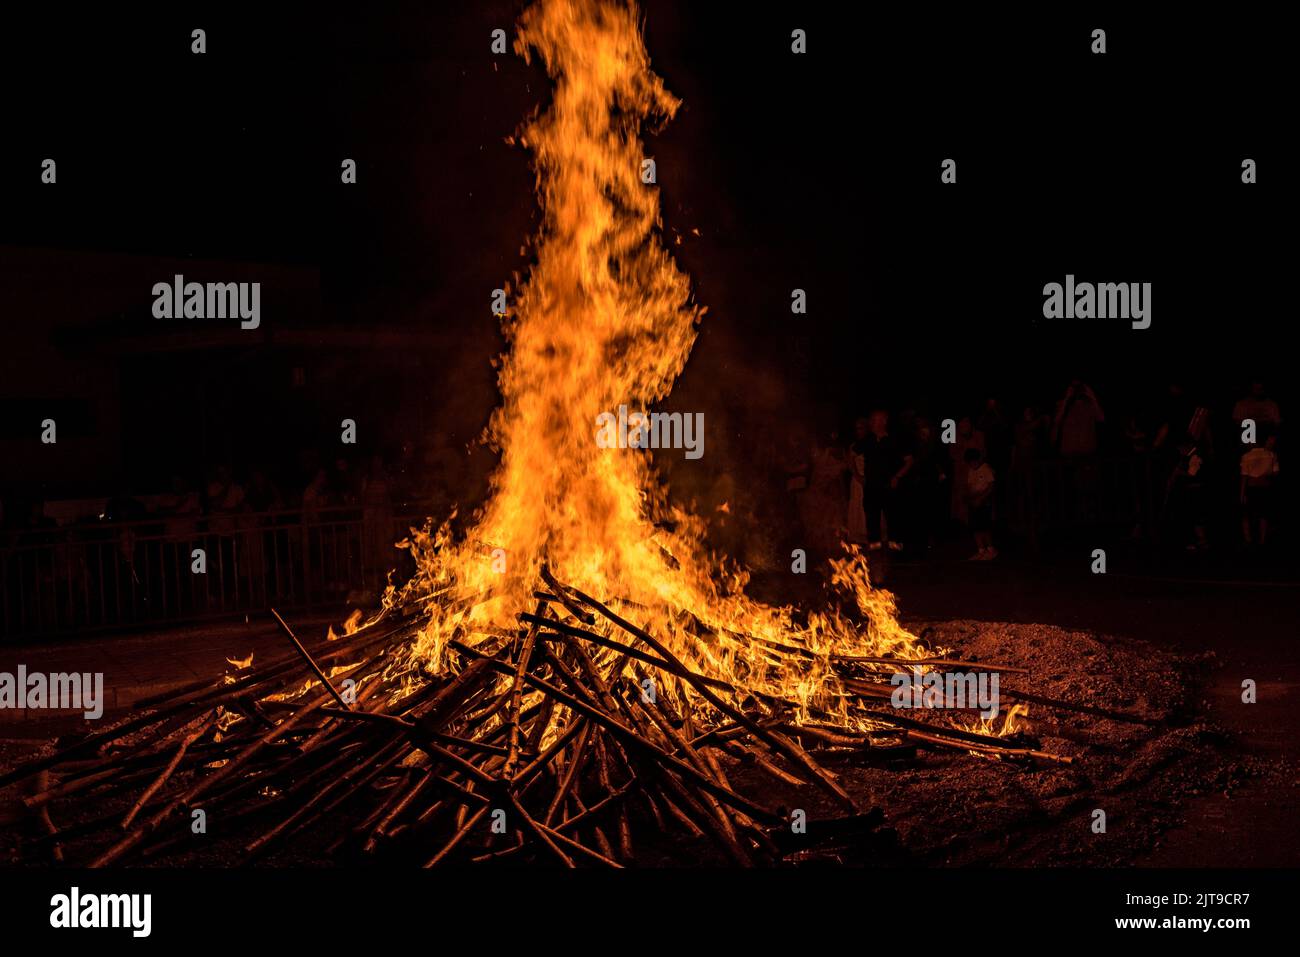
(1179, 471)
(905, 481)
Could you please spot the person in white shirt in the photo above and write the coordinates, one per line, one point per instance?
(1259, 469)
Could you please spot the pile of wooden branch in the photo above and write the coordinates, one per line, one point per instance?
(561, 742)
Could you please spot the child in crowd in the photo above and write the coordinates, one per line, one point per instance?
(979, 503)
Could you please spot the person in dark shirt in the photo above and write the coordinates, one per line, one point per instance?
(922, 490)
(262, 495)
(1184, 450)
(1175, 415)
(980, 483)
(1028, 448)
(885, 464)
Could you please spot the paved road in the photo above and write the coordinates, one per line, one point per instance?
(139, 665)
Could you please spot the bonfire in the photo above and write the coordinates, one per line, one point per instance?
(570, 667)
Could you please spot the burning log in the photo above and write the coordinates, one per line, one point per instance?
(320, 675)
(552, 732)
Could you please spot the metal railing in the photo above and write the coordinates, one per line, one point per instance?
(111, 575)
(187, 568)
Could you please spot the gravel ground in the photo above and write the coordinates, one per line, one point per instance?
(951, 808)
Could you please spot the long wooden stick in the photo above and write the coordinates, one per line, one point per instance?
(517, 691)
(311, 663)
(166, 773)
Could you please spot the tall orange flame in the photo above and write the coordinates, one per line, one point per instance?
(605, 319)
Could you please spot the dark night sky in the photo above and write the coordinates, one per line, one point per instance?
(819, 172)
